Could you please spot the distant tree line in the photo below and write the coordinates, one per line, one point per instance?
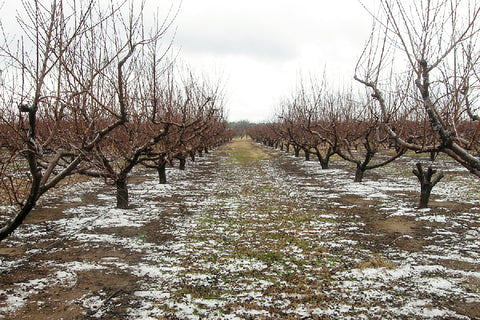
(241, 127)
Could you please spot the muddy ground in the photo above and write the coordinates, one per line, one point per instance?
(248, 232)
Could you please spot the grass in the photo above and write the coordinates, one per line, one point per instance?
(244, 152)
(207, 292)
(376, 261)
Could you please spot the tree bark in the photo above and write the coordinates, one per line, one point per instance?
(17, 221)
(359, 173)
(426, 183)
(297, 151)
(162, 175)
(183, 161)
(122, 193)
(307, 154)
(324, 161)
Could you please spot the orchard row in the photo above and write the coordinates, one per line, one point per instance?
(90, 89)
(418, 90)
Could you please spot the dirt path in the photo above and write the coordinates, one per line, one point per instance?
(249, 233)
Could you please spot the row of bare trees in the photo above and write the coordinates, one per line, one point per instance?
(420, 72)
(87, 88)
(320, 124)
(421, 65)
(324, 123)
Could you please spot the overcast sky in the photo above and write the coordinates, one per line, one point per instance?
(260, 47)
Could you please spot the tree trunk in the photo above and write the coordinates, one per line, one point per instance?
(307, 154)
(297, 151)
(359, 173)
(122, 193)
(17, 221)
(162, 175)
(182, 162)
(424, 196)
(426, 183)
(324, 162)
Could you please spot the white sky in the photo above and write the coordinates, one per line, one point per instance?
(262, 46)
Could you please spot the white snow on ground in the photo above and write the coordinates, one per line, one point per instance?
(16, 298)
(264, 242)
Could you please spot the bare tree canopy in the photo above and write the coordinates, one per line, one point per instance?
(421, 67)
(63, 90)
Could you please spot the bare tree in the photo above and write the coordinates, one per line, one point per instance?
(368, 140)
(58, 104)
(437, 85)
(35, 159)
(200, 107)
(426, 183)
(269, 134)
(115, 157)
(193, 110)
(294, 116)
(326, 121)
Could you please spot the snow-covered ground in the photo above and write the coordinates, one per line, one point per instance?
(280, 238)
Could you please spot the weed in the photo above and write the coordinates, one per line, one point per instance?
(207, 292)
(142, 238)
(376, 261)
(270, 257)
(471, 284)
(245, 153)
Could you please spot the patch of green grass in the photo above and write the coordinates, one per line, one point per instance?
(270, 257)
(263, 253)
(207, 292)
(142, 238)
(245, 156)
(245, 152)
